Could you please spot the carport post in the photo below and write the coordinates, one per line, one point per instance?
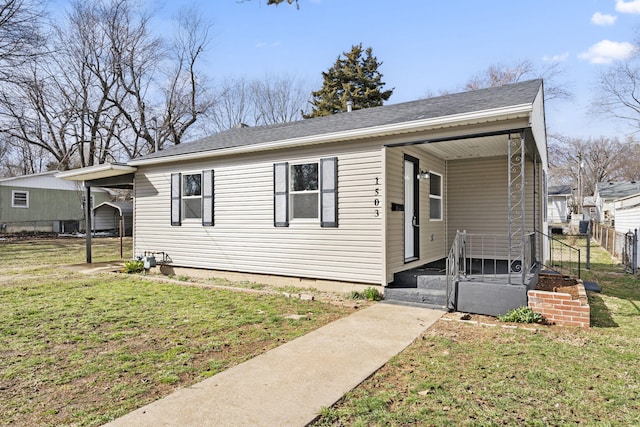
(87, 220)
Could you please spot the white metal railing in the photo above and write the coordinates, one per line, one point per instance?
(455, 264)
(489, 256)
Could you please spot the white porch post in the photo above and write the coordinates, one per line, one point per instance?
(516, 189)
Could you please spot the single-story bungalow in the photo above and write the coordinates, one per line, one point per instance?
(366, 197)
(43, 203)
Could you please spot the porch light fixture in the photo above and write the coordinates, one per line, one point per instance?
(423, 174)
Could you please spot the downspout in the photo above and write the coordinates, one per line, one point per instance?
(535, 206)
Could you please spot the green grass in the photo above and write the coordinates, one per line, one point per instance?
(81, 350)
(462, 374)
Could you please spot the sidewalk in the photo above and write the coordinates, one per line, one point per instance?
(288, 385)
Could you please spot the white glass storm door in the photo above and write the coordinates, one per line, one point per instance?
(411, 227)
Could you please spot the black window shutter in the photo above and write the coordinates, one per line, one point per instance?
(175, 198)
(329, 192)
(281, 194)
(207, 197)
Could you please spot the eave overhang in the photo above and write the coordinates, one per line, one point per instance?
(492, 115)
(92, 173)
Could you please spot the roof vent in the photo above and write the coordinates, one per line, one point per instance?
(349, 106)
(241, 125)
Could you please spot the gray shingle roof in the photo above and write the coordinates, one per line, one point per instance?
(559, 190)
(616, 190)
(441, 106)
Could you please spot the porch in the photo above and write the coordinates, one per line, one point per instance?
(474, 278)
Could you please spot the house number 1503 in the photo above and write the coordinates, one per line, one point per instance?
(376, 199)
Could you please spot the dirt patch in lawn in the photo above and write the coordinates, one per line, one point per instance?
(557, 283)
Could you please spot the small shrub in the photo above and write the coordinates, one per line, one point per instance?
(133, 266)
(521, 315)
(371, 294)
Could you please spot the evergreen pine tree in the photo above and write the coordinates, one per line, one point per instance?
(354, 78)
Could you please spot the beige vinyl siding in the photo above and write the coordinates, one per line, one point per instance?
(429, 250)
(477, 191)
(244, 238)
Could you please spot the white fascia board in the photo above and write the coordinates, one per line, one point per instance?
(34, 175)
(105, 170)
(505, 113)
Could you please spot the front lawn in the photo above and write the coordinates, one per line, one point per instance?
(82, 350)
(470, 374)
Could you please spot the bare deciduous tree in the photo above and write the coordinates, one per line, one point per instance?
(187, 94)
(597, 160)
(280, 99)
(96, 94)
(270, 100)
(20, 34)
(619, 95)
(500, 74)
(273, 99)
(234, 105)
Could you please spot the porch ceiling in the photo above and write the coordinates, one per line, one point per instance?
(485, 146)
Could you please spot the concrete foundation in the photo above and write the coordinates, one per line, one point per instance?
(493, 299)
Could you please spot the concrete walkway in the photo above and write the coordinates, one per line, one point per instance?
(288, 385)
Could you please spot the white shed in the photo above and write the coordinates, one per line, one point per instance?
(109, 216)
(558, 204)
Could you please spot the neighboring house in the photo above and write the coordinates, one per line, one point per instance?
(627, 223)
(558, 204)
(113, 217)
(606, 193)
(357, 197)
(627, 211)
(42, 202)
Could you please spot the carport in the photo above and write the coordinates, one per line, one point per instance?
(107, 175)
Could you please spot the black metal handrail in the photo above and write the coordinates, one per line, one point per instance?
(563, 258)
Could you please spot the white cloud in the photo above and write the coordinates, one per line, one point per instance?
(556, 58)
(606, 51)
(632, 6)
(603, 19)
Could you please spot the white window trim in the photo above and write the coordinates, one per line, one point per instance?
(432, 196)
(183, 197)
(292, 218)
(13, 199)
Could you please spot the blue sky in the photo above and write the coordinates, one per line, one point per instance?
(427, 46)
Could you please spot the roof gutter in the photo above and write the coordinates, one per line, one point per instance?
(505, 113)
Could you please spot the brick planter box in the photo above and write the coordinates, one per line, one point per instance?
(561, 308)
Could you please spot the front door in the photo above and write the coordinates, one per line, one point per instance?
(411, 203)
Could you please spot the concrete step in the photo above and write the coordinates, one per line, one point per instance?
(432, 297)
(432, 282)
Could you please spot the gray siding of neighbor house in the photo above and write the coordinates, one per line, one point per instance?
(45, 207)
(244, 238)
(429, 249)
(478, 197)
